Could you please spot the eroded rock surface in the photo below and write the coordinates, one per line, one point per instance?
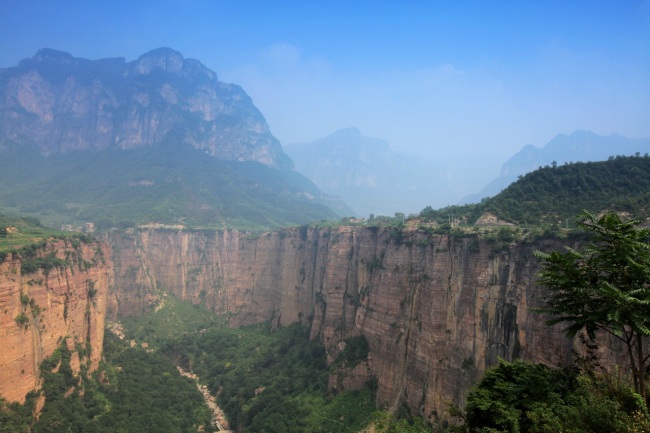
(40, 310)
(60, 103)
(435, 310)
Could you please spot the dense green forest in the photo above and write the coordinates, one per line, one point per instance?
(265, 381)
(172, 185)
(554, 195)
(520, 397)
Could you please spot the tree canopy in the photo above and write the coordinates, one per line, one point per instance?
(520, 397)
(604, 286)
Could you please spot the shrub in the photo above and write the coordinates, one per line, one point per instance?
(22, 319)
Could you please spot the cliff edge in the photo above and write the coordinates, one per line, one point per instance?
(436, 310)
(57, 295)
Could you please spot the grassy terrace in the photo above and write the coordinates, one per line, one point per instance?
(25, 235)
(16, 233)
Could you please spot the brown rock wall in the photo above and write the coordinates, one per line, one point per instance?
(436, 310)
(64, 303)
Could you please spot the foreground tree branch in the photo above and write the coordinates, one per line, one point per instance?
(604, 285)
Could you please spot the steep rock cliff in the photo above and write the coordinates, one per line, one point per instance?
(435, 310)
(40, 309)
(60, 103)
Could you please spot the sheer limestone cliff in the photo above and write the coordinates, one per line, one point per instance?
(43, 307)
(60, 103)
(435, 310)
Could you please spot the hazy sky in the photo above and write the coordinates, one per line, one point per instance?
(433, 78)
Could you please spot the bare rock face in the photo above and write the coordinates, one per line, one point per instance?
(436, 311)
(40, 310)
(60, 103)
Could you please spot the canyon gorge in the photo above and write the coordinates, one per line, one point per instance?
(161, 139)
(436, 310)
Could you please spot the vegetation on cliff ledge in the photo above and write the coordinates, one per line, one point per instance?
(28, 239)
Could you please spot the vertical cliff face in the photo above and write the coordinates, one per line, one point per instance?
(62, 103)
(435, 310)
(42, 306)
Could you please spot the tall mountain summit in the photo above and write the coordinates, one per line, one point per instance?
(60, 103)
(367, 174)
(156, 140)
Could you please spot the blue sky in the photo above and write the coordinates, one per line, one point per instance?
(438, 79)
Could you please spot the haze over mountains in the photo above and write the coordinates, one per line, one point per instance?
(368, 175)
(410, 311)
(580, 146)
(159, 139)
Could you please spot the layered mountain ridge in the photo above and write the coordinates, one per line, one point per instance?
(579, 146)
(436, 306)
(367, 174)
(156, 140)
(61, 103)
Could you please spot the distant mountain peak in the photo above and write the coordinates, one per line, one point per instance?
(60, 103)
(351, 140)
(170, 61)
(52, 55)
(165, 52)
(366, 173)
(348, 131)
(166, 59)
(579, 146)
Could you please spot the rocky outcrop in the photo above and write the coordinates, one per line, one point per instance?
(61, 103)
(45, 307)
(435, 310)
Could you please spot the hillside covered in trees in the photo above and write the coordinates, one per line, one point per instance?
(554, 195)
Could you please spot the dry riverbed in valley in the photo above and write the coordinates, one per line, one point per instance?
(219, 420)
(218, 416)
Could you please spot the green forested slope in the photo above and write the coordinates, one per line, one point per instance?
(554, 195)
(169, 184)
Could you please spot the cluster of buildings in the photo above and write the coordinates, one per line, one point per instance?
(87, 228)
